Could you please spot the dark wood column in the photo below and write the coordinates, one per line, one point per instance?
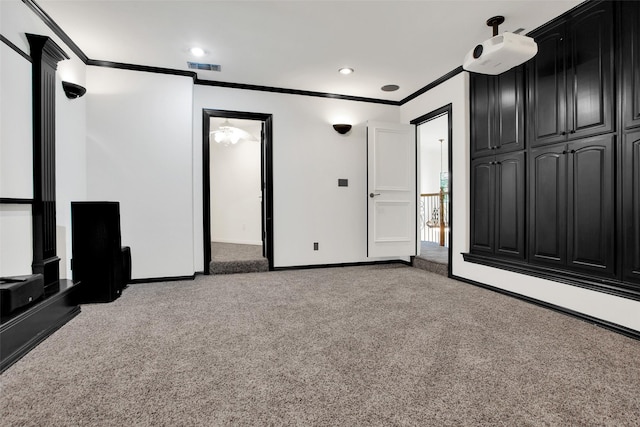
(45, 55)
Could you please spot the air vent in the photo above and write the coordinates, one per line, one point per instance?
(205, 67)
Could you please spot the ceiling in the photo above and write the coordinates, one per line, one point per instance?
(298, 44)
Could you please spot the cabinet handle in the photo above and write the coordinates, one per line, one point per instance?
(563, 133)
(497, 163)
(564, 151)
(572, 151)
(572, 131)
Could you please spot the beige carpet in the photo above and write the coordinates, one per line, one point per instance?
(381, 345)
(232, 258)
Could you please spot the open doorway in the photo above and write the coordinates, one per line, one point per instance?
(237, 192)
(433, 132)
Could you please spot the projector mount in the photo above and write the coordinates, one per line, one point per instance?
(494, 22)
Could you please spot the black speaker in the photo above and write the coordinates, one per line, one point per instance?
(97, 254)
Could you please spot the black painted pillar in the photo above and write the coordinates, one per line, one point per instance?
(45, 55)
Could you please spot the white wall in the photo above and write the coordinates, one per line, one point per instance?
(236, 215)
(16, 133)
(308, 158)
(431, 158)
(16, 19)
(16, 252)
(71, 156)
(139, 153)
(600, 305)
(16, 157)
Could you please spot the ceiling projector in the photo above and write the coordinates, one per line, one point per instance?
(501, 52)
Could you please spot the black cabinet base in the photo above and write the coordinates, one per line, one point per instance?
(24, 330)
(609, 286)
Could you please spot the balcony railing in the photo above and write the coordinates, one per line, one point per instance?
(434, 220)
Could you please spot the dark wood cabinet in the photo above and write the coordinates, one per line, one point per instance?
(629, 42)
(547, 205)
(572, 206)
(582, 189)
(510, 205)
(498, 209)
(629, 31)
(482, 113)
(590, 205)
(631, 207)
(482, 196)
(547, 110)
(571, 77)
(497, 105)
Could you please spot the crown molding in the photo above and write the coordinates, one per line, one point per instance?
(295, 92)
(49, 22)
(15, 48)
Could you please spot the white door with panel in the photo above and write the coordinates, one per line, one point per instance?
(391, 187)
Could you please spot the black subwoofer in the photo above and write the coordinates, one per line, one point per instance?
(99, 262)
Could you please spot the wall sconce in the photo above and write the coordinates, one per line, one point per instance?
(342, 128)
(73, 90)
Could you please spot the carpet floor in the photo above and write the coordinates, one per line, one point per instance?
(372, 345)
(232, 258)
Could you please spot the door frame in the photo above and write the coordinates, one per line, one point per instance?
(266, 174)
(447, 109)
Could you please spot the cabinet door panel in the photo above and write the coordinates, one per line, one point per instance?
(631, 207)
(481, 114)
(630, 40)
(547, 94)
(482, 201)
(547, 195)
(590, 72)
(509, 202)
(590, 210)
(510, 110)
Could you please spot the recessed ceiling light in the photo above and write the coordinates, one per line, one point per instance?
(197, 51)
(390, 88)
(345, 70)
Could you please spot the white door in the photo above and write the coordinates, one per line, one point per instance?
(391, 188)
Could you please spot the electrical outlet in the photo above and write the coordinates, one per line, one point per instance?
(315, 246)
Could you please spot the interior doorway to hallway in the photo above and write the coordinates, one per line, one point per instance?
(433, 137)
(237, 192)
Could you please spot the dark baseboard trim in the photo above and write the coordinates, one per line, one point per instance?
(431, 85)
(29, 328)
(49, 22)
(294, 92)
(348, 264)
(15, 48)
(162, 279)
(623, 330)
(604, 285)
